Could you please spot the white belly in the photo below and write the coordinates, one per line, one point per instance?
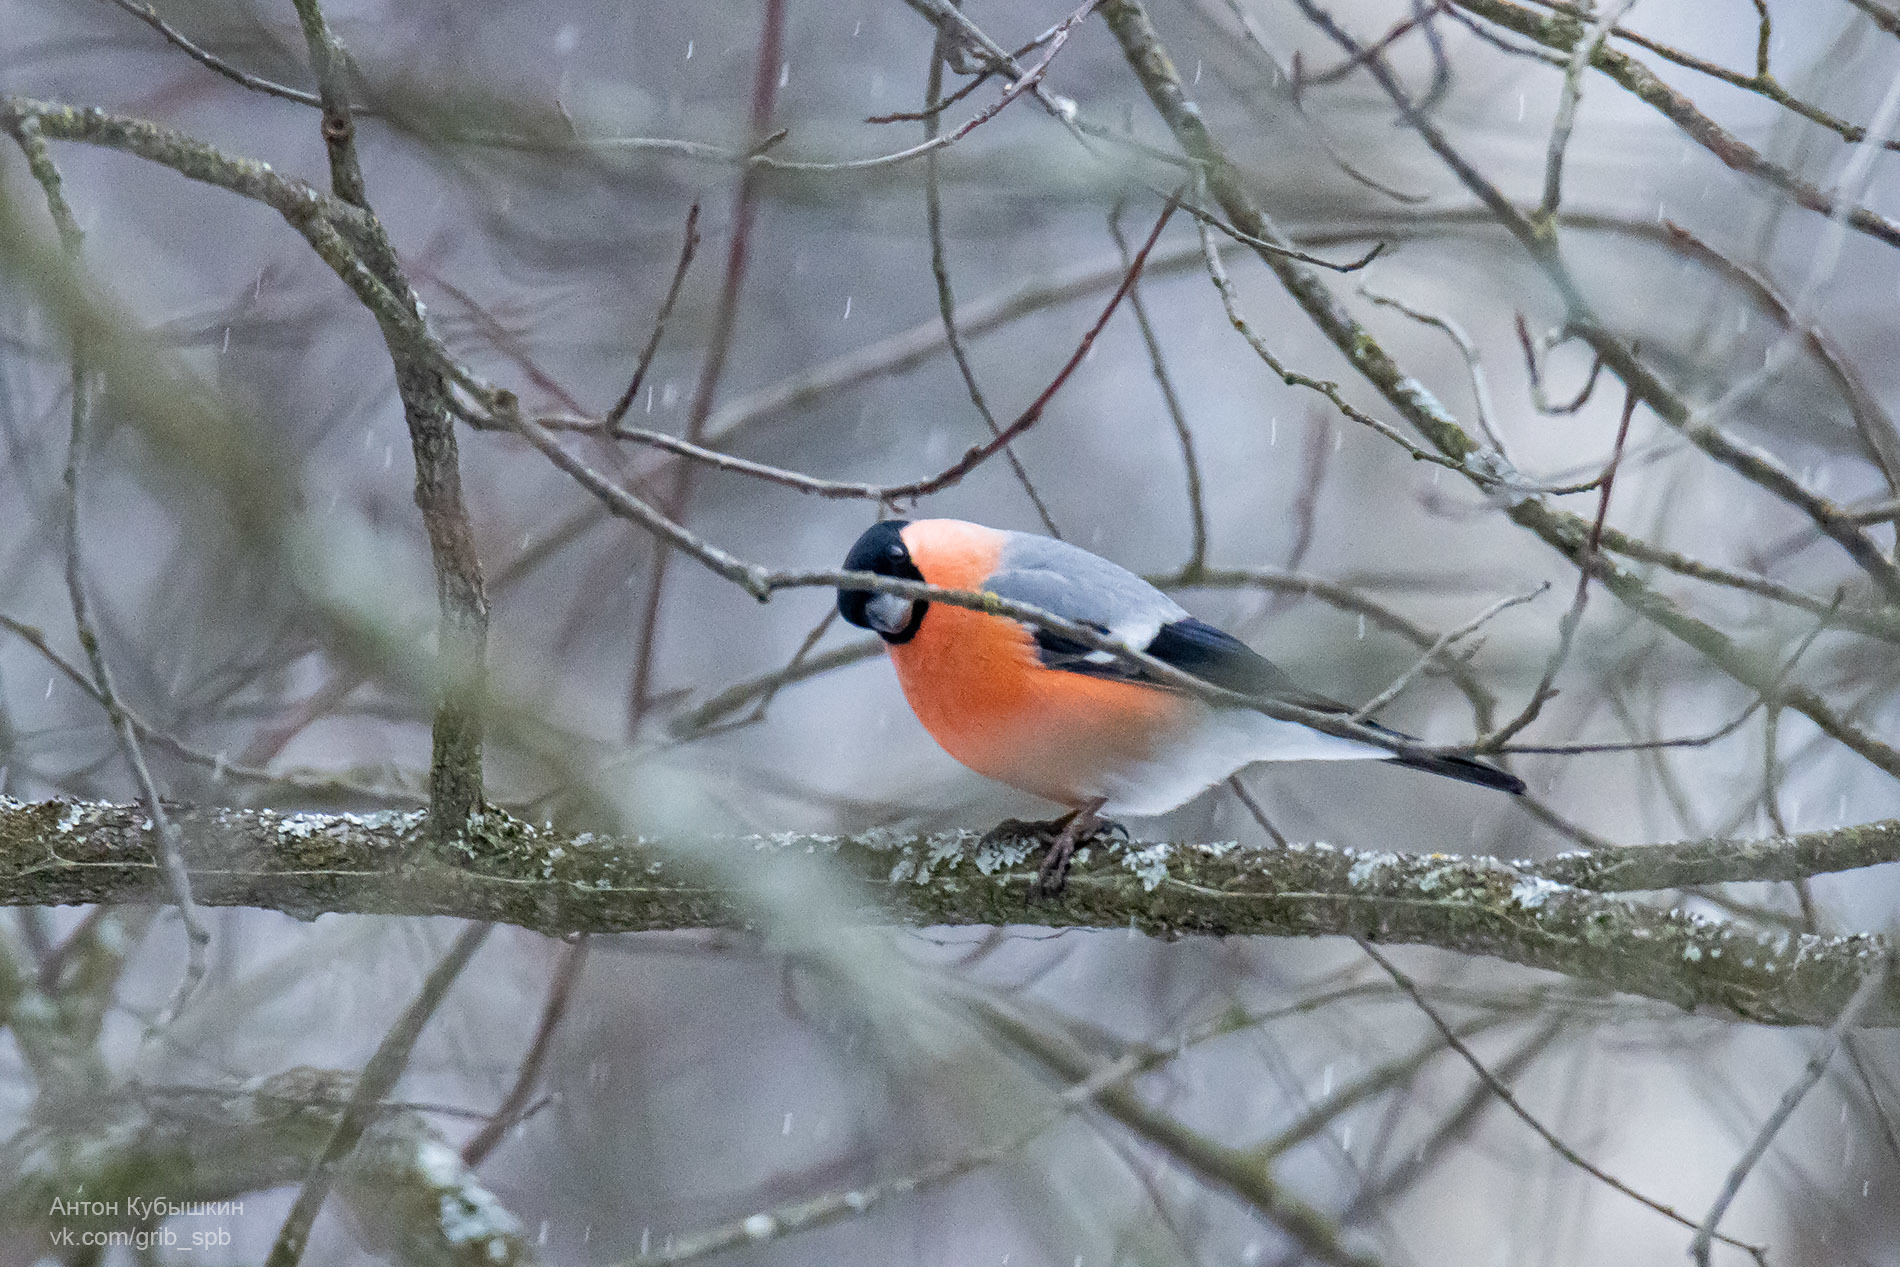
(1220, 743)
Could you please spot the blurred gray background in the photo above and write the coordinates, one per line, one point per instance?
(702, 1076)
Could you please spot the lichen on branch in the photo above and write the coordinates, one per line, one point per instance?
(1535, 915)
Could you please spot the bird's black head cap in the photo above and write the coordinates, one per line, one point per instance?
(882, 550)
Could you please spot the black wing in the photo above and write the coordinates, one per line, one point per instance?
(1217, 657)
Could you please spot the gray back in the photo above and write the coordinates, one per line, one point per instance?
(1070, 582)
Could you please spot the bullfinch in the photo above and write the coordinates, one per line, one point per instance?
(1074, 725)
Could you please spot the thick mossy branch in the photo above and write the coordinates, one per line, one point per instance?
(1537, 915)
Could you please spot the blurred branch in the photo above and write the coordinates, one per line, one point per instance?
(1876, 427)
(946, 296)
(354, 245)
(1762, 83)
(1177, 414)
(375, 1083)
(674, 502)
(1561, 32)
(688, 247)
(515, 1105)
(57, 852)
(310, 782)
(1234, 1170)
(166, 1146)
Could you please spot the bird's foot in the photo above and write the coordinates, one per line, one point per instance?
(1061, 837)
(1038, 831)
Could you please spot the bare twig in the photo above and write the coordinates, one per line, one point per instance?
(946, 297)
(204, 57)
(1870, 986)
(765, 75)
(515, 1106)
(1567, 627)
(177, 880)
(1437, 650)
(1581, 54)
(647, 353)
(1255, 811)
(1197, 508)
(1467, 349)
(1510, 1101)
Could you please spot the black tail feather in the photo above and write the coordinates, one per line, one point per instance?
(1466, 770)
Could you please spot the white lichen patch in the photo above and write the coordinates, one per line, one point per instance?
(467, 1212)
(1533, 891)
(997, 855)
(1370, 865)
(1149, 865)
(947, 849)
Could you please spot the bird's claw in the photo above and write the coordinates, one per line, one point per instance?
(1060, 837)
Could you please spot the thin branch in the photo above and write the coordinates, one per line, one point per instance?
(1567, 627)
(178, 882)
(1876, 427)
(1230, 300)
(692, 725)
(1440, 647)
(1581, 55)
(1230, 1169)
(1510, 1101)
(516, 1105)
(946, 297)
(816, 1212)
(1769, 697)
(1255, 811)
(1467, 349)
(1870, 987)
(1561, 32)
(372, 1087)
(765, 72)
(1197, 508)
(1257, 42)
(243, 78)
(611, 421)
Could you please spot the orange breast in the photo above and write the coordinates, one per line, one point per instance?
(977, 685)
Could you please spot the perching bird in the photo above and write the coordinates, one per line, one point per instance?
(1049, 716)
